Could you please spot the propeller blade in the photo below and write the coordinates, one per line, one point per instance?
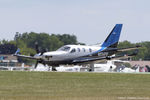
(36, 64)
(46, 50)
(43, 51)
(37, 47)
(38, 50)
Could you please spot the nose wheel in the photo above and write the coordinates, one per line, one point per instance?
(54, 68)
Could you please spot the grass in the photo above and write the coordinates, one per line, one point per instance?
(73, 86)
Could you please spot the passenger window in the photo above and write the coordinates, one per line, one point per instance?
(83, 49)
(73, 50)
(90, 50)
(78, 49)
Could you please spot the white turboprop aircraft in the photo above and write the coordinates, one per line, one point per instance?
(82, 54)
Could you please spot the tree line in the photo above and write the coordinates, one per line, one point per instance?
(50, 42)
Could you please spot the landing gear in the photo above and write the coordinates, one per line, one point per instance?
(91, 67)
(54, 68)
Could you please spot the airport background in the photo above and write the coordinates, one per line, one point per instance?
(26, 42)
(24, 22)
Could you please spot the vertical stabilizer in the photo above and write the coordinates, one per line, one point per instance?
(113, 37)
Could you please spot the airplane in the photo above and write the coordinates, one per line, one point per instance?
(82, 54)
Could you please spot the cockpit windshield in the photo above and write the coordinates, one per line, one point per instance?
(64, 48)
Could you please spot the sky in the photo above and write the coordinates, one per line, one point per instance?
(90, 20)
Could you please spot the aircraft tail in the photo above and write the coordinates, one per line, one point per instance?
(113, 38)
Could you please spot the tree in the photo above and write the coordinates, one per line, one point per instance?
(67, 39)
(7, 48)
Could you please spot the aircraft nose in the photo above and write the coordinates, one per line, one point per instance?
(48, 57)
(53, 54)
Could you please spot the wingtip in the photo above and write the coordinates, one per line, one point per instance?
(17, 52)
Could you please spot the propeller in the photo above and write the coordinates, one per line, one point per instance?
(36, 64)
(37, 47)
(40, 52)
(44, 50)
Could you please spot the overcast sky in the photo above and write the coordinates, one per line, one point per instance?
(90, 20)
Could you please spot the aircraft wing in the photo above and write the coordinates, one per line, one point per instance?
(24, 56)
(100, 59)
(17, 54)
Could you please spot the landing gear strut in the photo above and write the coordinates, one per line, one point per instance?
(91, 67)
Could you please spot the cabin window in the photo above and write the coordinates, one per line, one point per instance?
(73, 50)
(78, 49)
(64, 48)
(83, 49)
(90, 50)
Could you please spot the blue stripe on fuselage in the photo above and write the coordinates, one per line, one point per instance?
(100, 50)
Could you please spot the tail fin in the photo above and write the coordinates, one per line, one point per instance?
(113, 38)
